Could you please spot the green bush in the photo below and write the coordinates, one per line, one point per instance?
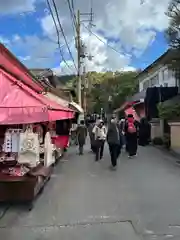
(169, 111)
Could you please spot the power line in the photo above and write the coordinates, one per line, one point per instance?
(71, 9)
(57, 31)
(102, 40)
(72, 4)
(62, 31)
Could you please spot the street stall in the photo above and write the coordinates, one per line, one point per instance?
(60, 130)
(27, 153)
(78, 116)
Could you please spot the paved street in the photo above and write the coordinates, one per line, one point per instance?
(85, 200)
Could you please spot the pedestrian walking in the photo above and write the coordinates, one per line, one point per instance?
(131, 129)
(144, 132)
(81, 136)
(100, 134)
(113, 139)
(122, 132)
(121, 127)
(91, 136)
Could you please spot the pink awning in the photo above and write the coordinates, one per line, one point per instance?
(20, 104)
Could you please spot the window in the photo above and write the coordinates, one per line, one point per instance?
(154, 81)
(165, 84)
(146, 84)
(170, 74)
(165, 75)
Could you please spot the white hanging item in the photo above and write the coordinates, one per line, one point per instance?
(29, 148)
(49, 157)
(7, 142)
(15, 139)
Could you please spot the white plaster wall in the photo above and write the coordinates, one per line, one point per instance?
(169, 78)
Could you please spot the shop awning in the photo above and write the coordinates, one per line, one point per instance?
(133, 112)
(124, 106)
(76, 107)
(19, 104)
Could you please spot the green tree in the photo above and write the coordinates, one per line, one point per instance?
(173, 36)
(118, 85)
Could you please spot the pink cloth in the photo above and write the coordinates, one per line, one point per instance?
(61, 141)
(19, 104)
(130, 119)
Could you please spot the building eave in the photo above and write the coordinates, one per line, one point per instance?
(160, 60)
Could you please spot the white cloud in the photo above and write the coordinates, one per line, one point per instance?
(129, 69)
(133, 26)
(18, 6)
(35, 51)
(63, 68)
(4, 41)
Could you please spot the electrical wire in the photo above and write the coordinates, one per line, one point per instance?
(62, 31)
(72, 12)
(72, 4)
(57, 31)
(102, 40)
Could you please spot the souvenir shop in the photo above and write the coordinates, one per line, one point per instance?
(27, 133)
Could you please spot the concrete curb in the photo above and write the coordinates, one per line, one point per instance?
(171, 153)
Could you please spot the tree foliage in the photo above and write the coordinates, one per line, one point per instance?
(173, 35)
(118, 85)
(173, 31)
(170, 109)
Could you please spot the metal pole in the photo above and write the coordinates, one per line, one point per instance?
(79, 59)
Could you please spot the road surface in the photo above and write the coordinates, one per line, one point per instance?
(84, 200)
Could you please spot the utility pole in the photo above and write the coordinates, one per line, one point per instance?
(84, 89)
(78, 46)
(81, 56)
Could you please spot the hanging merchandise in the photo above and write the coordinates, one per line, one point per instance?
(11, 141)
(49, 157)
(29, 148)
(7, 142)
(15, 137)
(39, 130)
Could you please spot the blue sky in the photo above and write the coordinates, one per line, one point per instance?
(158, 47)
(31, 37)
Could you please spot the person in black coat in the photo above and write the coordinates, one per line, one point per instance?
(144, 132)
(113, 139)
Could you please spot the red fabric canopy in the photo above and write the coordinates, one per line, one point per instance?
(20, 104)
(9, 62)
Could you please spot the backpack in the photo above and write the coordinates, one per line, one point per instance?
(131, 127)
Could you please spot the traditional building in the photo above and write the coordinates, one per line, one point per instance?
(157, 74)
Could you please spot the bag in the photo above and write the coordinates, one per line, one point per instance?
(131, 127)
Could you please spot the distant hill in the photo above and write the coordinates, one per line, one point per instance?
(63, 80)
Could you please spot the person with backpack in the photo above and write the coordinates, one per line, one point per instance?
(131, 129)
